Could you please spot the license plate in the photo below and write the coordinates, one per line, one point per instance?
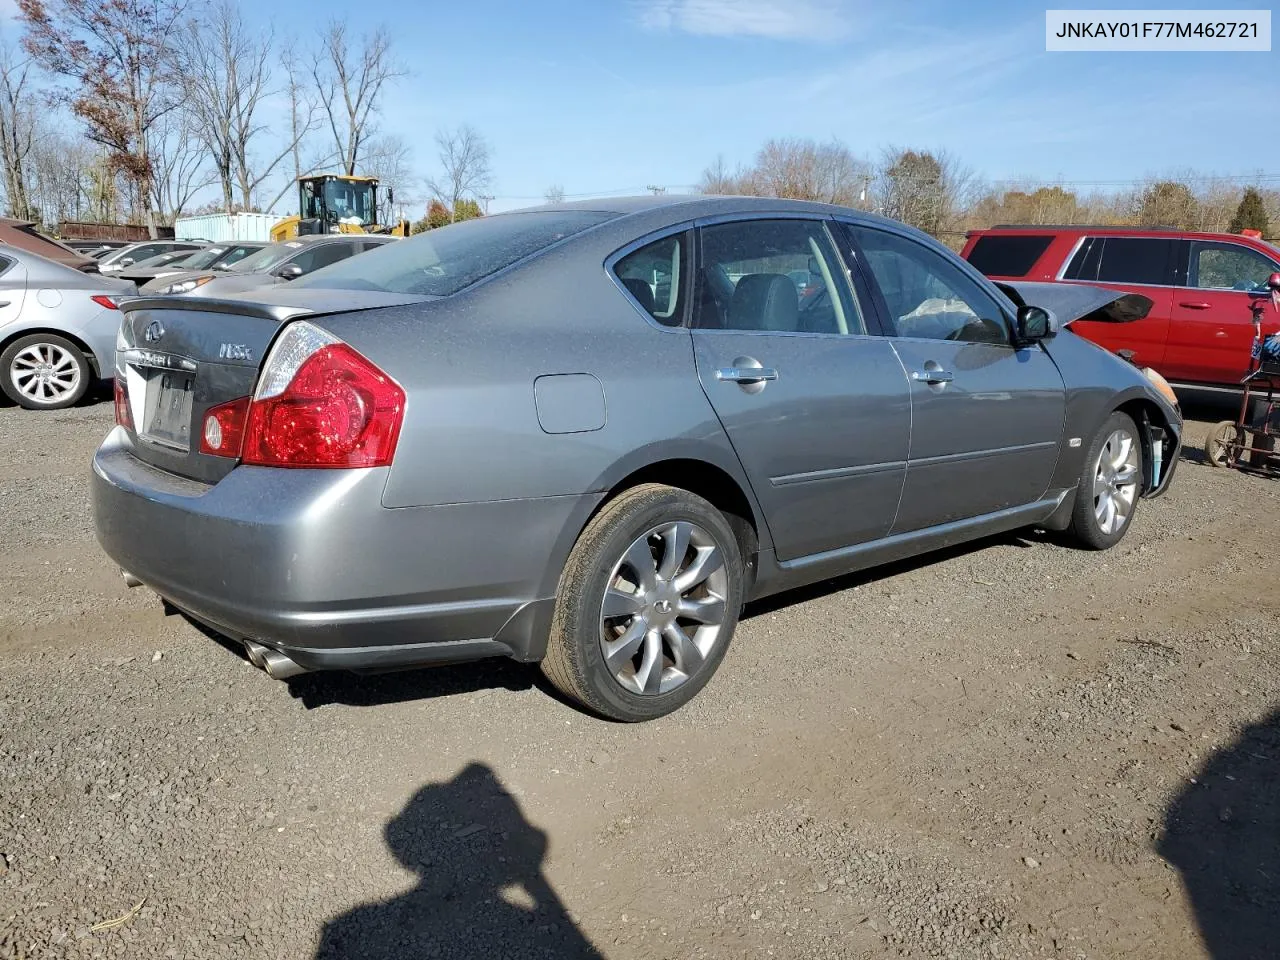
(167, 417)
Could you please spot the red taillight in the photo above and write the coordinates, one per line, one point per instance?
(124, 416)
(338, 410)
(109, 303)
(223, 431)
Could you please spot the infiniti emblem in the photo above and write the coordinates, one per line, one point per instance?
(153, 332)
(662, 606)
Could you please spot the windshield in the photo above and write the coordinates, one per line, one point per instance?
(266, 258)
(337, 201)
(445, 260)
(205, 258)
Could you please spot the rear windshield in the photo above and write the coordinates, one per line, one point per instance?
(443, 261)
(1008, 256)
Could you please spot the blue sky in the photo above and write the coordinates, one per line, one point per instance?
(617, 94)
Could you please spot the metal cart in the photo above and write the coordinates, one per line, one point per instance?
(1249, 442)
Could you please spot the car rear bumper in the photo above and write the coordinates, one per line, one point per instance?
(309, 562)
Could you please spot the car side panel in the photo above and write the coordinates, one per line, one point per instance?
(469, 367)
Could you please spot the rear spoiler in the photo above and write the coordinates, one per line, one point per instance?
(277, 313)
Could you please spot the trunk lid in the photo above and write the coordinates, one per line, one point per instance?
(179, 356)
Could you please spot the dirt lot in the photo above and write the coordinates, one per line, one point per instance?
(1013, 750)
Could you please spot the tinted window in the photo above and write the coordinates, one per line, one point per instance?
(654, 276)
(927, 295)
(1124, 260)
(1228, 266)
(443, 261)
(778, 275)
(268, 257)
(322, 254)
(1007, 256)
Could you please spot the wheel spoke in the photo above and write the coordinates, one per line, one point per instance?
(1100, 486)
(1122, 445)
(639, 558)
(618, 653)
(649, 673)
(684, 651)
(710, 610)
(620, 604)
(1127, 474)
(675, 544)
(1106, 513)
(706, 561)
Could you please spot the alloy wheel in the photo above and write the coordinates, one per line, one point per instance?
(664, 608)
(1115, 481)
(45, 373)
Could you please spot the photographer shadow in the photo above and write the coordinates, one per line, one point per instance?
(481, 891)
(1222, 833)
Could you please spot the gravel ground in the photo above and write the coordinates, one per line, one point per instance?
(1010, 750)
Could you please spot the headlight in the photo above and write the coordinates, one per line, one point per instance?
(1162, 386)
(185, 286)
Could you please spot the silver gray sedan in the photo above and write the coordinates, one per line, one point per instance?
(58, 329)
(587, 434)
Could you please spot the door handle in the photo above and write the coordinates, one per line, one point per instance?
(1194, 304)
(746, 374)
(932, 376)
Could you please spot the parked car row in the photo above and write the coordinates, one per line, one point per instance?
(587, 434)
(59, 310)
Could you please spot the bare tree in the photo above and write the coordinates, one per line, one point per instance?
(17, 130)
(113, 56)
(1168, 203)
(350, 82)
(717, 179)
(927, 190)
(554, 194)
(464, 162)
(224, 69)
(390, 159)
(181, 166)
(795, 168)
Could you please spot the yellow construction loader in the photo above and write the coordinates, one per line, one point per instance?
(334, 203)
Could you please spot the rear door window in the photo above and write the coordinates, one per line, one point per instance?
(1010, 255)
(655, 274)
(1140, 260)
(1228, 266)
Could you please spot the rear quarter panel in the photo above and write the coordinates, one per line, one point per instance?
(469, 363)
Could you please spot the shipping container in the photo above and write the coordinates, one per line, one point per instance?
(222, 227)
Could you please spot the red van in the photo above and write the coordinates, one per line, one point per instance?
(1198, 330)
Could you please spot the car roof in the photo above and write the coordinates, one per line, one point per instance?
(1103, 230)
(661, 209)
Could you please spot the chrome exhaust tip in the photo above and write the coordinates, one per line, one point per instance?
(256, 653)
(279, 666)
(129, 579)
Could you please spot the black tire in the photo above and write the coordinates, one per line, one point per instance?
(575, 661)
(13, 364)
(1086, 528)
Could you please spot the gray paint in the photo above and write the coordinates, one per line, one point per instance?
(38, 294)
(537, 391)
(569, 403)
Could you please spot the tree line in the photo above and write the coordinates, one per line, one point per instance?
(129, 110)
(934, 192)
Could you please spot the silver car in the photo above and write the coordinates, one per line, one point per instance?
(58, 329)
(587, 434)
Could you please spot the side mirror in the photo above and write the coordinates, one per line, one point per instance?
(1273, 282)
(391, 195)
(1034, 324)
(126, 261)
(290, 271)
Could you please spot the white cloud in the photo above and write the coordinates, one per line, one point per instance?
(819, 21)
